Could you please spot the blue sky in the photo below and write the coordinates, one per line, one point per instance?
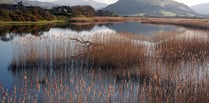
(187, 2)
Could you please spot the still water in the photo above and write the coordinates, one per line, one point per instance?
(36, 64)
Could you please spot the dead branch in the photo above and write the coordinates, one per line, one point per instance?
(81, 41)
(85, 42)
(88, 45)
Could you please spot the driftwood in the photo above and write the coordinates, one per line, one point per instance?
(88, 45)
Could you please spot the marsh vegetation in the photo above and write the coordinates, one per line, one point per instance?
(167, 66)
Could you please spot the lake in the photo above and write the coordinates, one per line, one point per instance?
(115, 62)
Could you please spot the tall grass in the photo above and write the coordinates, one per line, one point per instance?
(189, 23)
(168, 68)
(115, 51)
(80, 84)
(185, 46)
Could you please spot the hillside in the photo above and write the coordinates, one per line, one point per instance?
(96, 5)
(150, 8)
(29, 3)
(7, 2)
(19, 12)
(38, 3)
(201, 8)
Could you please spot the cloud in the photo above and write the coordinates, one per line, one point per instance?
(192, 2)
(106, 1)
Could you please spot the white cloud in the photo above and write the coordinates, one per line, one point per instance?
(193, 2)
(106, 1)
(44, 0)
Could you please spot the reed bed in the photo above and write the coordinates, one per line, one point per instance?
(185, 46)
(80, 84)
(114, 50)
(103, 19)
(168, 68)
(189, 23)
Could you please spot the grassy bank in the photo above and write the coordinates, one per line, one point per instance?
(75, 20)
(189, 23)
(43, 22)
(103, 19)
(184, 22)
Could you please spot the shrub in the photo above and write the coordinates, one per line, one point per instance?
(83, 10)
(16, 17)
(4, 15)
(25, 14)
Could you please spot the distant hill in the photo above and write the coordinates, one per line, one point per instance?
(7, 2)
(201, 8)
(150, 8)
(38, 3)
(96, 5)
(10, 12)
(29, 3)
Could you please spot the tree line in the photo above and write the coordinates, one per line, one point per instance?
(20, 12)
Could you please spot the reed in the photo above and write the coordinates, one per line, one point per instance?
(189, 23)
(115, 51)
(184, 46)
(169, 67)
(80, 84)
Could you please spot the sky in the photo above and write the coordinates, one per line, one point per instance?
(193, 2)
(187, 2)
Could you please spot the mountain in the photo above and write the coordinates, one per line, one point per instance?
(96, 5)
(7, 2)
(29, 3)
(201, 8)
(150, 8)
(38, 3)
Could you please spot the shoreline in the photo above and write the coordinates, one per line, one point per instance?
(76, 20)
(43, 22)
(183, 22)
(103, 19)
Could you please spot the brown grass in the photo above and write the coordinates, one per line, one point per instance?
(119, 50)
(185, 46)
(144, 78)
(184, 22)
(116, 51)
(105, 50)
(101, 20)
(189, 23)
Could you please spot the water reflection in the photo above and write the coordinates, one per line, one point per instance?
(138, 28)
(25, 29)
(7, 33)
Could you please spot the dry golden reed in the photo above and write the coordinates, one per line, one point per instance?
(168, 68)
